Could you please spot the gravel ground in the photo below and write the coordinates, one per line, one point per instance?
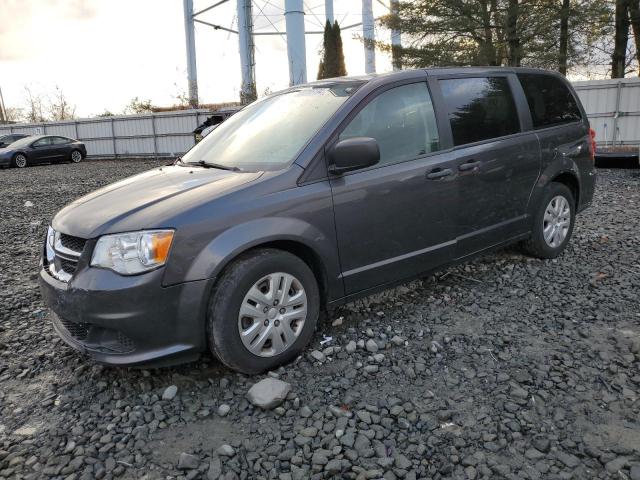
(508, 367)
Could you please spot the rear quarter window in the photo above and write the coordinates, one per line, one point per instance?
(479, 108)
(550, 100)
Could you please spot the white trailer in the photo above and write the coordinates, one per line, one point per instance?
(613, 108)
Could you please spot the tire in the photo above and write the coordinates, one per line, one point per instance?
(557, 203)
(76, 156)
(20, 160)
(225, 320)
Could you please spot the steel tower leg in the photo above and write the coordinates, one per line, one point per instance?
(296, 48)
(190, 42)
(368, 32)
(247, 52)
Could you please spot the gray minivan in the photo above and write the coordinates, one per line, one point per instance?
(312, 197)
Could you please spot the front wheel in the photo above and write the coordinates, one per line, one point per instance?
(20, 160)
(263, 311)
(553, 223)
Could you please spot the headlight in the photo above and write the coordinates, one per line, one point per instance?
(131, 253)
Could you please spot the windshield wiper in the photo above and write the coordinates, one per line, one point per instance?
(203, 164)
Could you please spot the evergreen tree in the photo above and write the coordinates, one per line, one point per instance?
(332, 58)
(341, 68)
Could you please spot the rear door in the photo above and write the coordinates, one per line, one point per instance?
(397, 218)
(498, 157)
(60, 148)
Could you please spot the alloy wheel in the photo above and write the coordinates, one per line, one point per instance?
(272, 314)
(76, 156)
(20, 161)
(556, 221)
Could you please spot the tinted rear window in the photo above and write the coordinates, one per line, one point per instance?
(479, 108)
(549, 99)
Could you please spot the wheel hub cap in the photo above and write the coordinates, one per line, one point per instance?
(556, 221)
(272, 314)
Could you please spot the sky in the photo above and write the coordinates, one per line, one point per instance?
(103, 53)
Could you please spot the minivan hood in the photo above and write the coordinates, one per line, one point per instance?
(134, 203)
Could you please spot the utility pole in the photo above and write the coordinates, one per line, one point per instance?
(296, 48)
(190, 42)
(369, 35)
(247, 52)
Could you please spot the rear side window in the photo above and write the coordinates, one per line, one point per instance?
(402, 121)
(60, 140)
(550, 101)
(479, 108)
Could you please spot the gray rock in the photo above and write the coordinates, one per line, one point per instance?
(371, 346)
(268, 393)
(318, 356)
(215, 468)
(616, 464)
(634, 474)
(170, 393)
(188, 462)
(351, 347)
(226, 451)
(223, 410)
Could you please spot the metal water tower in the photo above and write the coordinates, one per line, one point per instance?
(295, 34)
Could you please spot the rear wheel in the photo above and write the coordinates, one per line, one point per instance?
(553, 223)
(20, 160)
(76, 156)
(263, 311)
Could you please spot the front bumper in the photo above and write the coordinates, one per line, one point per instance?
(128, 321)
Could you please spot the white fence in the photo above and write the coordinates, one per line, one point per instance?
(613, 108)
(156, 134)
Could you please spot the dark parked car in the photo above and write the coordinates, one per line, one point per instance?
(312, 197)
(40, 149)
(6, 140)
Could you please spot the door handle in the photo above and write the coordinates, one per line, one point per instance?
(439, 173)
(470, 165)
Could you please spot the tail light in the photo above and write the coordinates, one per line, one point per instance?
(592, 143)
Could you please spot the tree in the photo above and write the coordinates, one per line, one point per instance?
(341, 68)
(332, 57)
(620, 40)
(139, 106)
(34, 106)
(540, 33)
(59, 106)
(634, 19)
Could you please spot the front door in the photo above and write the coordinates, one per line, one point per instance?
(498, 158)
(397, 218)
(41, 150)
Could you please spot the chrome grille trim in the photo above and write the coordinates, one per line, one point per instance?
(60, 261)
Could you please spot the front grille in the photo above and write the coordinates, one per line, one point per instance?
(68, 266)
(79, 331)
(72, 243)
(61, 254)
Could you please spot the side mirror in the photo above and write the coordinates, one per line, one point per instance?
(352, 154)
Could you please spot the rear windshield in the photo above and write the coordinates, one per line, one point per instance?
(268, 134)
(550, 100)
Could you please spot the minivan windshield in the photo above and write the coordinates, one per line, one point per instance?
(268, 134)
